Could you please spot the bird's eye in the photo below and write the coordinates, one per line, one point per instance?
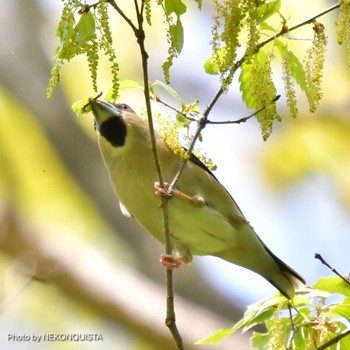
(124, 106)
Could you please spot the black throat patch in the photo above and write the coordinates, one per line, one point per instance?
(114, 131)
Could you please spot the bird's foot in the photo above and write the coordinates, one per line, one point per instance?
(196, 201)
(162, 191)
(169, 262)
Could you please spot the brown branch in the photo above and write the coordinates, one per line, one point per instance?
(170, 320)
(123, 15)
(334, 340)
(244, 119)
(324, 262)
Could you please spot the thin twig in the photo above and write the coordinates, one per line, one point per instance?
(244, 119)
(334, 340)
(324, 262)
(170, 320)
(122, 14)
(185, 115)
(200, 126)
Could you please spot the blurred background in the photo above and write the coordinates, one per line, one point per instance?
(71, 264)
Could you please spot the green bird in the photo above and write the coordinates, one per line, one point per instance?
(203, 217)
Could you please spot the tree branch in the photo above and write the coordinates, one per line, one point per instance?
(324, 262)
(334, 340)
(170, 320)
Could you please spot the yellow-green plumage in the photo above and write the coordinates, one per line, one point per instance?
(217, 228)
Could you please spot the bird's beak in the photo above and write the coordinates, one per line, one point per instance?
(103, 111)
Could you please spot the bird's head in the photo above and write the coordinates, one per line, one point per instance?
(111, 120)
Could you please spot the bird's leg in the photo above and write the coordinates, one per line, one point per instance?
(196, 201)
(169, 262)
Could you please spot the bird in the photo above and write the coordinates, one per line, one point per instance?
(204, 219)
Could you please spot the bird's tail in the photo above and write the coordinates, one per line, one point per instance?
(288, 281)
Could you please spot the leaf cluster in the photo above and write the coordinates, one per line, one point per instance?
(310, 322)
(240, 27)
(84, 29)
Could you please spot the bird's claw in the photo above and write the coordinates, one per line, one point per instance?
(162, 190)
(169, 262)
(196, 201)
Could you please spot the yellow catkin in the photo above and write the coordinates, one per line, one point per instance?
(106, 43)
(289, 85)
(264, 91)
(92, 57)
(228, 21)
(314, 64)
(343, 27)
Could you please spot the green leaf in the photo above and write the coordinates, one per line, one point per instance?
(177, 35)
(192, 108)
(340, 310)
(65, 28)
(246, 77)
(176, 6)
(181, 121)
(85, 29)
(81, 107)
(210, 66)
(297, 69)
(261, 341)
(333, 284)
(216, 337)
(65, 31)
(344, 343)
(170, 91)
(262, 311)
(265, 11)
(126, 87)
(265, 26)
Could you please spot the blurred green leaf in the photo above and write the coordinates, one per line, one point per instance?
(246, 76)
(170, 91)
(126, 87)
(210, 66)
(333, 284)
(177, 35)
(81, 107)
(216, 337)
(297, 68)
(262, 13)
(176, 6)
(85, 29)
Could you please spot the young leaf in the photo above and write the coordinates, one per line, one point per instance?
(333, 284)
(262, 13)
(297, 69)
(210, 66)
(81, 107)
(170, 91)
(126, 87)
(216, 337)
(260, 341)
(177, 35)
(245, 79)
(85, 29)
(65, 28)
(340, 310)
(176, 6)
